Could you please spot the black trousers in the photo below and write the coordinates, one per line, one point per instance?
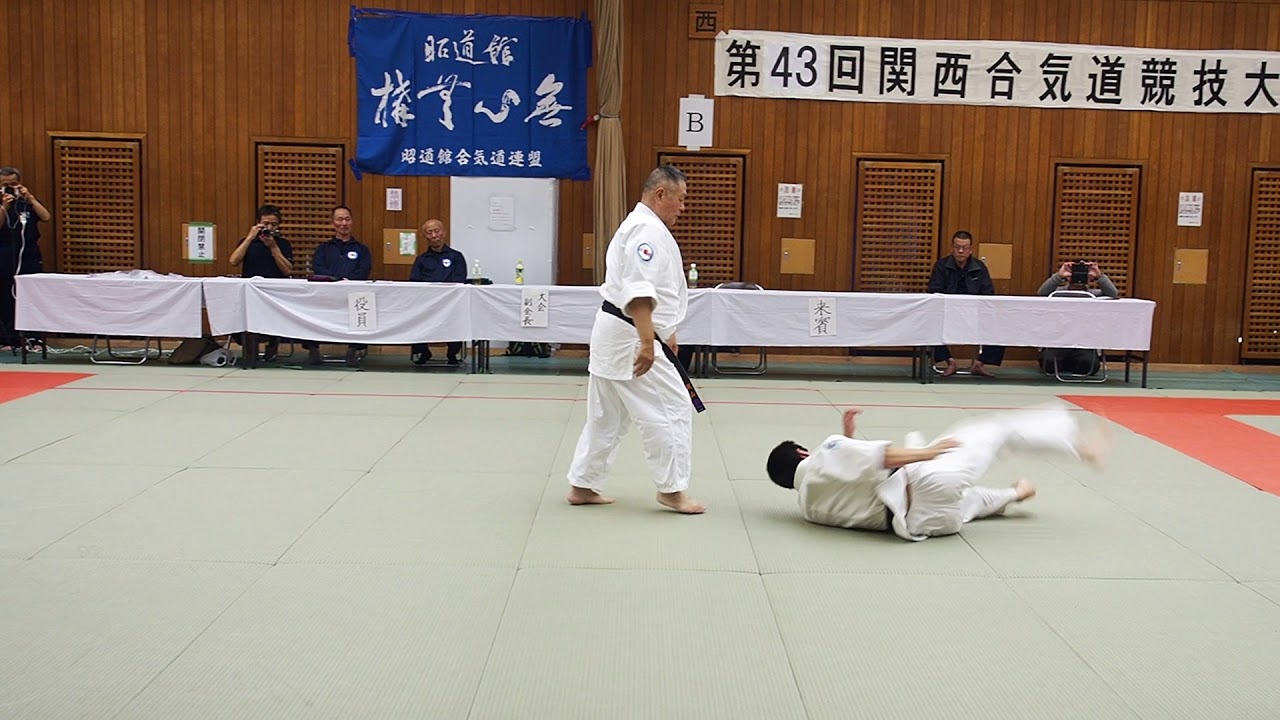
(989, 355)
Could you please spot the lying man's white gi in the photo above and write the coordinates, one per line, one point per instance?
(643, 260)
(844, 483)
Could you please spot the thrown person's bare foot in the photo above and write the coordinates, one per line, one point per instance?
(586, 496)
(681, 503)
(1025, 489)
(1095, 446)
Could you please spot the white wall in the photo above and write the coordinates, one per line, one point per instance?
(533, 239)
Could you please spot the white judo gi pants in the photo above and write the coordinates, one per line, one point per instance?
(943, 493)
(658, 403)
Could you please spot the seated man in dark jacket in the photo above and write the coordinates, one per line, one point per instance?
(440, 263)
(962, 274)
(341, 257)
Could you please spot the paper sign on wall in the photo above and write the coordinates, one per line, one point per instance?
(502, 213)
(362, 312)
(1190, 209)
(822, 317)
(535, 307)
(790, 200)
(697, 118)
(395, 199)
(408, 243)
(200, 242)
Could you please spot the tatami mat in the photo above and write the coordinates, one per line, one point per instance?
(930, 647)
(395, 543)
(1172, 649)
(637, 644)
(82, 638)
(338, 642)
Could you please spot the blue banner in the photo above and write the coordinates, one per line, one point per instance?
(471, 95)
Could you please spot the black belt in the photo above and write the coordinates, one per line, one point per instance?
(615, 311)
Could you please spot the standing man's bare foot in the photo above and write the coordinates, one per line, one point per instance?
(681, 503)
(1025, 489)
(586, 496)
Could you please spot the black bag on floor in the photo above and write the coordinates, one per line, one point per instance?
(529, 349)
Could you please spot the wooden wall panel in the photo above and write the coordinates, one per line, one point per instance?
(999, 177)
(202, 81)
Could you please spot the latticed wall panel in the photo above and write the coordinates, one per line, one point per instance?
(1096, 219)
(710, 229)
(305, 182)
(898, 220)
(99, 204)
(1262, 287)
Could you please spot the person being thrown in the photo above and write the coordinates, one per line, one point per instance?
(933, 490)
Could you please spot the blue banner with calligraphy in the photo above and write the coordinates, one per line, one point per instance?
(470, 95)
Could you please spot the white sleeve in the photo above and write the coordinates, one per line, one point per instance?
(641, 268)
(854, 458)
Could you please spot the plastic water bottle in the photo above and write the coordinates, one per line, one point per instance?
(519, 272)
(693, 275)
(475, 270)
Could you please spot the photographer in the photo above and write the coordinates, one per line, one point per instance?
(19, 245)
(264, 252)
(1075, 276)
(1078, 276)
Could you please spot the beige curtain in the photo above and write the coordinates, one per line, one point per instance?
(610, 171)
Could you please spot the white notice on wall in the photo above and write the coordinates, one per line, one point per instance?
(1190, 209)
(408, 243)
(395, 199)
(362, 312)
(822, 317)
(535, 307)
(697, 122)
(200, 242)
(790, 200)
(502, 213)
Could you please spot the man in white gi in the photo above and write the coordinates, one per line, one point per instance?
(645, 298)
(845, 483)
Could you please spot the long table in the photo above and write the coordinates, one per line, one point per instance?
(405, 313)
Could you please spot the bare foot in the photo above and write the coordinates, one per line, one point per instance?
(979, 369)
(586, 496)
(682, 503)
(951, 369)
(1096, 445)
(1025, 489)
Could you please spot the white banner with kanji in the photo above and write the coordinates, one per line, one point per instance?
(758, 63)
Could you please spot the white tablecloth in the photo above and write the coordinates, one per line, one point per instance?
(406, 312)
(495, 314)
(114, 304)
(1060, 322)
(779, 318)
(138, 304)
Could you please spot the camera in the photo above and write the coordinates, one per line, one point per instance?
(1080, 273)
(10, 190)
(269, 232)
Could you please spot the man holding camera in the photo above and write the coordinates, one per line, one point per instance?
(264, 252)
(1079, 276)
(19, 245)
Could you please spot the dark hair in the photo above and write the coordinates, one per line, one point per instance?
(962, 235)
(336, 208)
(782, 464)
(668, 175)
(269, 210)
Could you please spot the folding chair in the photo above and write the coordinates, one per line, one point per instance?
(1099, 375)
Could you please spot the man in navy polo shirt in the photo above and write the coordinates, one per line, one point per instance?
(341, 257)
(440, 263)
(264, 252)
